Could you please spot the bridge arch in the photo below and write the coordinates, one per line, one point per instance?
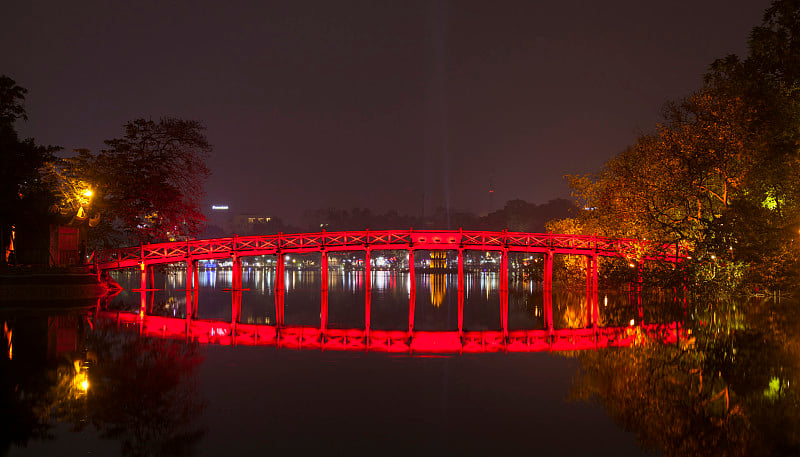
(234, 248)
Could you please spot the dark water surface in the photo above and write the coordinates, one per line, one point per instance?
(260, 399)
(720, 392)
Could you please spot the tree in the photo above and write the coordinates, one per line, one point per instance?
(718, 176)
(24, 197)
(148, 184)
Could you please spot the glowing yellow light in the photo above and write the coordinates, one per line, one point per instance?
(85, 385)
(87, 193)
(632, 322)
(713, 257)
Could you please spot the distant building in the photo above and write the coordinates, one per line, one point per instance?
(249, 224)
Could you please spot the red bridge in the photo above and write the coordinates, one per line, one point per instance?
(143, 257)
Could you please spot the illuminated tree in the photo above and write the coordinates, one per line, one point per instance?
(148, 184)
(719, 175)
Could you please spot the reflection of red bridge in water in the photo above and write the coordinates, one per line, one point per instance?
(235, 332)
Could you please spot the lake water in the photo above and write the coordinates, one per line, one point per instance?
(729, 388)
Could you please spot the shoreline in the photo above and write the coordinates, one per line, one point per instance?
(57, 286)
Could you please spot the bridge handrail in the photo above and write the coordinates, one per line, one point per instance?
(383, 239)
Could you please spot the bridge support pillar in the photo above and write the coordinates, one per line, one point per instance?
(143, 290)
(280, 287)
(323, 314)
(591, 290)
(196, 290)
(595, 287)
(460, 292)
(413, 292)
(504, 292)
(190, 267)
(548, 313)
(367, 294)
(548, 291)
(236, 292)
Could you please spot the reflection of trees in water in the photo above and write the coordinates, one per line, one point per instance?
(144, 393)
(140, 391)
(25, 404)
(570, 309)
(37, 374)
(730, 390)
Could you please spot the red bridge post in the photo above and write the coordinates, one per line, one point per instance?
(460, 292)
(196, 292)
(236, 292)
(189, 292)
(548, 290)
(323, 315)
(595, 287)
(591, 290)
(589, 307)
(548, 314)
(412, 291)
(504, 292)
(367, 294)
(279, 287)
(143, 289)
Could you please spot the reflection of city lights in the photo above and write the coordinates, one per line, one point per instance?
(7, 332)
(85, 385)
(438, 286)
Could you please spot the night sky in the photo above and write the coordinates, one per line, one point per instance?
(313, 104)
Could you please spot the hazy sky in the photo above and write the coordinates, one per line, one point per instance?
(377, 104)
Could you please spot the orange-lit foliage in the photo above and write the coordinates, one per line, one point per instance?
(719, 174)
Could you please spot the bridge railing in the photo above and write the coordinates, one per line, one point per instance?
(384, 239)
